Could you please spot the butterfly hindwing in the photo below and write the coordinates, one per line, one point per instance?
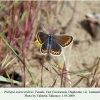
(63, 40)
(41, 36)
(45, 47)
(55, 48)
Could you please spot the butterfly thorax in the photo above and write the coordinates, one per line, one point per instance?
(50, 39)
(49, 42)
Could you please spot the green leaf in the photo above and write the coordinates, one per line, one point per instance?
(3, 79)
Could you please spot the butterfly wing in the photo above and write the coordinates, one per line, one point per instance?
(55, 48)
(45, 47)
(63, 40)
(41, 36)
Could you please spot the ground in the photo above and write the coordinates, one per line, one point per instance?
(78, 56)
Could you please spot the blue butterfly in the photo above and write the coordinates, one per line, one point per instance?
(52, 43)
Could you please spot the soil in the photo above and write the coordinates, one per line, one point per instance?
(78, 56)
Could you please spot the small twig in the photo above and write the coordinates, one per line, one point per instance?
(72, 17)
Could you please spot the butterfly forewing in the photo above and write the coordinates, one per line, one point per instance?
(42, 37)
(63, 40)
(55, 48)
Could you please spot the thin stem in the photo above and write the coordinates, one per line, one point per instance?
(18, 57)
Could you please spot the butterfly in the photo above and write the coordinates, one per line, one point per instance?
(53, 44)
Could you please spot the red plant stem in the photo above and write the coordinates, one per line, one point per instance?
(60, 74)
(37, 10)
(70, 21)
(54, 83)
(28, 27)
(0, 46)
(42, 75)
(24, 68)
(54, 19)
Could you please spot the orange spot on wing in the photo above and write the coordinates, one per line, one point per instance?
(55, 52)
(67, 42)
(43, 51)
(38, 37)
